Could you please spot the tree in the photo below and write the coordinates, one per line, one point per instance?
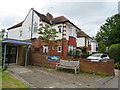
(48, 33)
(2, 33)
(101, 47)
(110, 32)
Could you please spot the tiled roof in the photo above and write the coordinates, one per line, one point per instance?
(15, 26)
(80, 33)
(43, 17)
(59, 19)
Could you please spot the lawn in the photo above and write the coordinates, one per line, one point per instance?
(9, 81)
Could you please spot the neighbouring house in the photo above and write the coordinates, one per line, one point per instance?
(28, 30)
(85, 40)
(94, 46)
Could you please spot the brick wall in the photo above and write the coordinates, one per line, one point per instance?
(106, 68)
(37, 46)
(39, 59)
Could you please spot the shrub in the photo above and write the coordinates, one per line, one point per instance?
(75, 53)
(3, 68)
(84, 49)
(114, 52)
(85, 55)
(117, 65)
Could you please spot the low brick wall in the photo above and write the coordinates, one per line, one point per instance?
(40, 60)
(106, 68)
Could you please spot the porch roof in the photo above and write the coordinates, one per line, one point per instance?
(14, 41)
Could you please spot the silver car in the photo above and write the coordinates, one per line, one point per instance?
(99, 57)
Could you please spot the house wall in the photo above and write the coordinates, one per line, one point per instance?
(70, 31)
(59, 34)
(14, 33)
(93, 46)
(81, 42)
(25, 28)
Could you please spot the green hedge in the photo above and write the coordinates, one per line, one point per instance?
(84, 56)
(114, 52)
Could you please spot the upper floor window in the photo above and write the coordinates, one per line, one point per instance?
(60, 29)
(20, 33)
(35, 27)
(89, 42)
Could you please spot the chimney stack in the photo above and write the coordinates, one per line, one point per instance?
(49, 16)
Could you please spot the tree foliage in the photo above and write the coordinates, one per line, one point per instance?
(48, 33)
(101, 47)
(2, 33)
(110, 32)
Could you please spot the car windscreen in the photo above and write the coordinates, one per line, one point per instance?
(96, 55)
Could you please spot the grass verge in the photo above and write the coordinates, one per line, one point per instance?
(9, 81)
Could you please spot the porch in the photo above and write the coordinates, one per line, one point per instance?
(15, 52)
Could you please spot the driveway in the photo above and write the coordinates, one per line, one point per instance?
(39, 77)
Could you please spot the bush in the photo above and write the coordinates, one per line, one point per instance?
(74, 53)
(84, 55)
(117, 65)
(114, 52)
(3, 68)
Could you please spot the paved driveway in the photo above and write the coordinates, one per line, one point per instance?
(41, 79)
(50, 78)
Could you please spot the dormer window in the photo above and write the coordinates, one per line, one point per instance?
(35, 27)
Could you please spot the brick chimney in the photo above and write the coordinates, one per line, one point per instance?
(49, 16)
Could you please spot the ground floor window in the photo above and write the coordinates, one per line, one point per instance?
(59, 49)
(71, 47)
(45, 49)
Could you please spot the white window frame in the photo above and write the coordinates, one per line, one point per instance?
(60, 49)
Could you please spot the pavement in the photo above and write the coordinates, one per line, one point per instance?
(113, 83)
(41, 77)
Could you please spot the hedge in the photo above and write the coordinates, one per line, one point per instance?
(114, 52)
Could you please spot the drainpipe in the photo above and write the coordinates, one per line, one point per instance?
(32, 22)
(4, 55)
(62, 38)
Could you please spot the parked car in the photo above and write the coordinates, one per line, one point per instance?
(99, 57)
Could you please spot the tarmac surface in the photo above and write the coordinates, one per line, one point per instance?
(41, 77)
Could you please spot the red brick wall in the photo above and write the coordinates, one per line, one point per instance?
(40, 60)
(38, 44)
(72, 41)
(106, 68)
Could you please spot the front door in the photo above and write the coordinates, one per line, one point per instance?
(11, 54)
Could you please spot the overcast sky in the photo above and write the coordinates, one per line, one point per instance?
(88, 15)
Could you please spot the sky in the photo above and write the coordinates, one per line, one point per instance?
(88, 15)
